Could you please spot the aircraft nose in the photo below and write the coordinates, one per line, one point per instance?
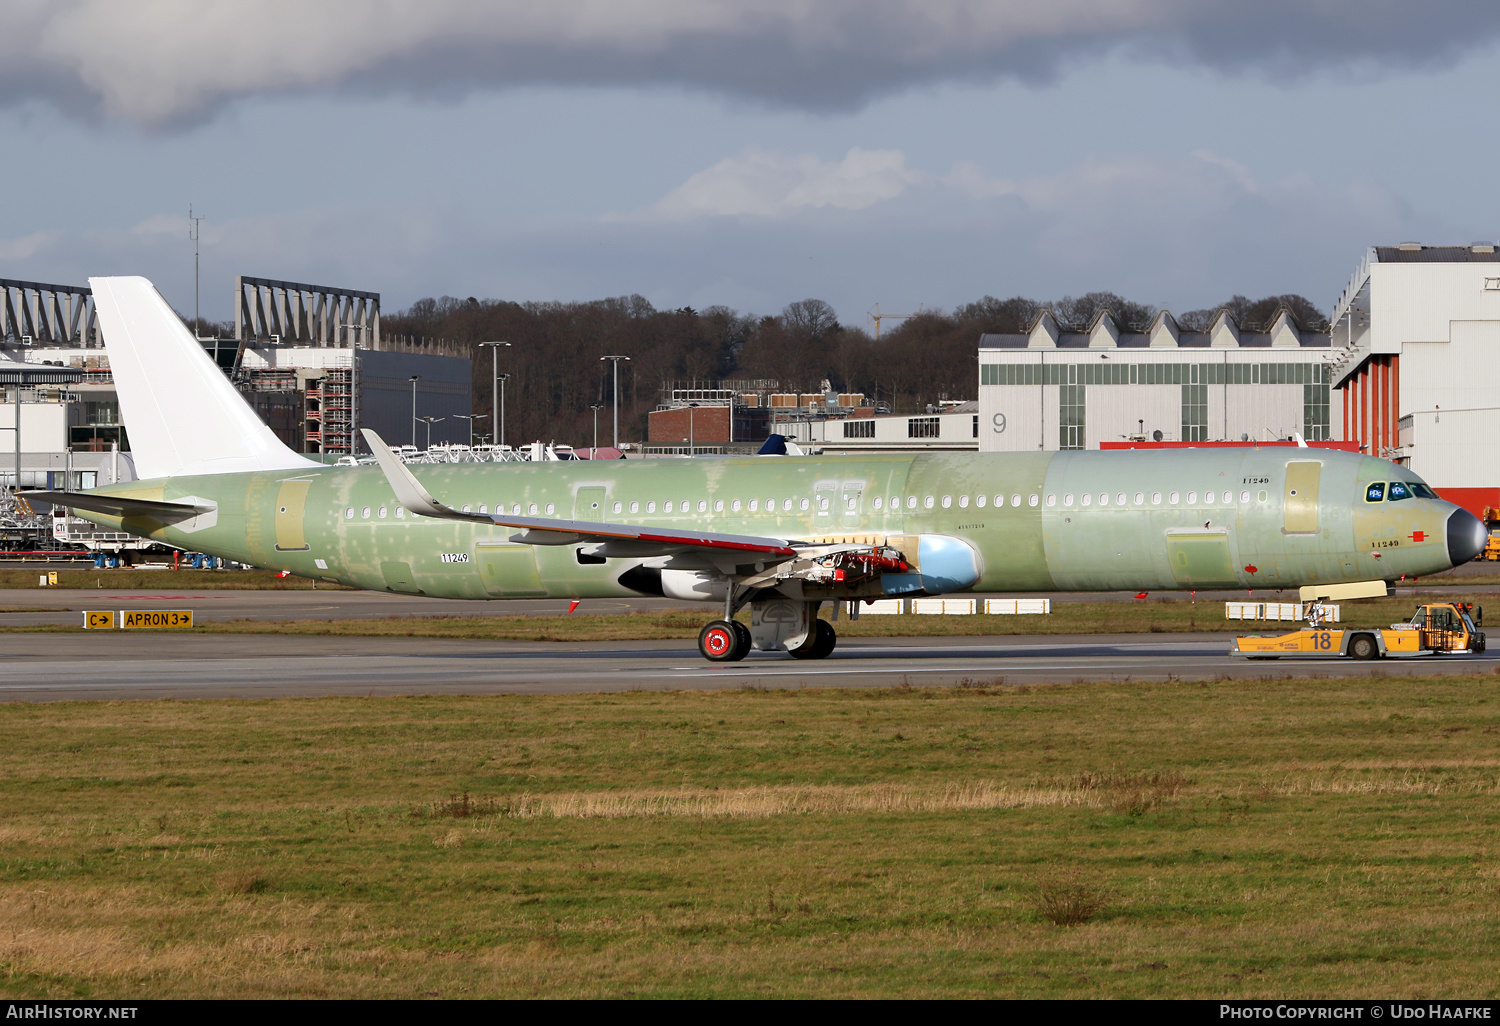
(1467, 536)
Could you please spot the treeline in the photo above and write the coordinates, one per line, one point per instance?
(556, 372)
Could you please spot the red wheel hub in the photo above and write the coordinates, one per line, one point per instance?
(718, 641)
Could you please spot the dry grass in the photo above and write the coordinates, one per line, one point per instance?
(1214, 839)
(1165, 616)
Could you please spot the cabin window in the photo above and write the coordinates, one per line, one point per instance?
(1068, 499)
(666, 507)
(702, 505)
(911, 502)
(1192, 498)
(483, 509)
(804, 504)
(877, 502)
(1033, 500)
(515, 509)
(466, 509)
(786, 504)
(895, 502)
(1155, 498)
(635, 507)
(947, 501)
(651, 506)
(1244, 498)
(718, 505)
(1015, 500)
(349, 513)
(1104, 498)
(1120, 499)
(617, 508)
(532, 508)
(980, 500)
(1375, 492)
(853, 504)
(1173, 498)
(963, 502)
(1262, 495)
(400, 512)
(735, 505)
(1087, 499)
(1052, 500)
(551, 509)
(1208, 498)
(382, 511)
(686, 505)
(822, 504)
(365, 513)
(929, 502)
(1398, 491)
(754, 505)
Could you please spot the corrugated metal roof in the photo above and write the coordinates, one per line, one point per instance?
(1434, 255)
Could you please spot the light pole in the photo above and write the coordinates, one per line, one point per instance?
(502, 379)
(596, 407)
(691, 408)
(414, 379)
(616, 361)
(471, 418)
(497, 406)
(429, 421)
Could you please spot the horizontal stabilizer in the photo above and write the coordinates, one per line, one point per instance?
(119, 506)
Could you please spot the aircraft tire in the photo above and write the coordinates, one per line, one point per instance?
(746, 641)
(819, 645)
(719, 642)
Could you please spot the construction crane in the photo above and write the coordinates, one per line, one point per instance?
(877, 317)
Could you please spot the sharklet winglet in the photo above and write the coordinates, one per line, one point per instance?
(409, 491)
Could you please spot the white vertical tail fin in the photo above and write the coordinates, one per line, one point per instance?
(182, 415)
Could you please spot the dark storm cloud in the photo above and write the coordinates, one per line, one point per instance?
(174, 61)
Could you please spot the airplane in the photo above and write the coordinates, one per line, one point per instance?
(782, 535)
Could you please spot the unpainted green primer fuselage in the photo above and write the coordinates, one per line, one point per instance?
(1296, 516)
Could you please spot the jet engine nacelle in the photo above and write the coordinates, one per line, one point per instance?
(943, 564)
(694, 586)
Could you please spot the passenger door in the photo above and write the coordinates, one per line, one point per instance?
(1300, 498)
(291, 505)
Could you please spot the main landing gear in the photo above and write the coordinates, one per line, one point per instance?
(776, 624)
(724, 641)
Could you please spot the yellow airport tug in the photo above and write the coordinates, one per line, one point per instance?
(1437, 628)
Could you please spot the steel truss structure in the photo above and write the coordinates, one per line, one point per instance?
(36, 313)
(313, 315)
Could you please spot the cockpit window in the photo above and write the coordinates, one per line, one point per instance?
(1399, 490)
(1375, 492)
(1421, 491)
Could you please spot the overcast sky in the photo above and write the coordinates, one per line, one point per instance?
(744, 153)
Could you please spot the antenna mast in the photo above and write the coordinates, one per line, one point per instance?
(194, 226)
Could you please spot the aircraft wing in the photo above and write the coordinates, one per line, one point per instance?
(119, 506)
(547, 531)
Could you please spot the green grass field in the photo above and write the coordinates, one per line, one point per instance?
(1251, 838)
(1171, 616)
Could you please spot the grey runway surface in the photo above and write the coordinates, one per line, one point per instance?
(114, 665)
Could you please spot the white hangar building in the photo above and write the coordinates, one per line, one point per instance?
(1057, 389)
(1419, 380)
